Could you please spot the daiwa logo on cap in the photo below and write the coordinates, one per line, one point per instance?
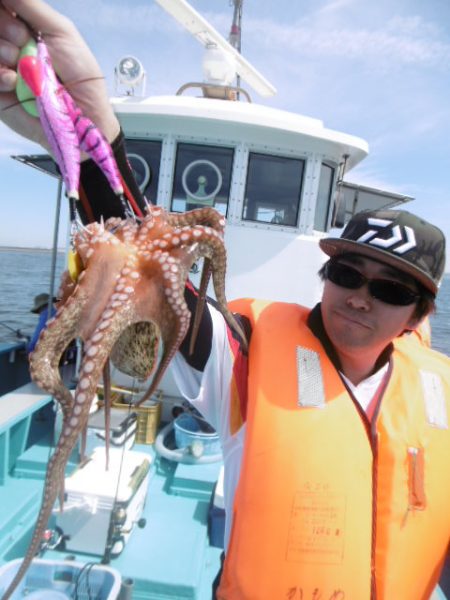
(396, 237)
(403, 235)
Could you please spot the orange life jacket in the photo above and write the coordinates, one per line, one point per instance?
(329, 507)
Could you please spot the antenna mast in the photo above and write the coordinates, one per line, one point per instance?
(236, 30)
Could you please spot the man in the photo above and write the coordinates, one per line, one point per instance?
(40, 307)
(330, 464)
(335, 426)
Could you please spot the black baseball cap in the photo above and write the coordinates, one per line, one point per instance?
(397, 238)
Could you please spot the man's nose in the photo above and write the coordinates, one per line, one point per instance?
(360, 299)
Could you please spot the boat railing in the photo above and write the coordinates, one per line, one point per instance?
(219, 92)
(17, 410)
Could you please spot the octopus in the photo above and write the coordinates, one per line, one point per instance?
(129, 296)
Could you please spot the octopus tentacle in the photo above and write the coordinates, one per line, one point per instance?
(175, 315)
(44, 363)
(198, 216)
(215, 251)
(54, 339)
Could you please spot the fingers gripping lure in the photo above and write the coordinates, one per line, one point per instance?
(68, 131)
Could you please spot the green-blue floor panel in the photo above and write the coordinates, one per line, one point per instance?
(19, 501)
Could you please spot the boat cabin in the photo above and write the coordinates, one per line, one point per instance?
(276, 176)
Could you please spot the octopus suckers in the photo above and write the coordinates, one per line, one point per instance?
(84, 383)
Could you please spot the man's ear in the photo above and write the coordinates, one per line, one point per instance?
(415, 323)
(421, 328)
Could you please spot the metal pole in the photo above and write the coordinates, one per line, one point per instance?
(55, 248)
(236, 33)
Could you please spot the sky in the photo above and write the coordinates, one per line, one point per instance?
(377, 70)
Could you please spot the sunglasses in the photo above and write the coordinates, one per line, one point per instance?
(390, 292)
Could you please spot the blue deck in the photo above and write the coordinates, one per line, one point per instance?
(169, 558)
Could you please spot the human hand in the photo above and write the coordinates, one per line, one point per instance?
(72, 60)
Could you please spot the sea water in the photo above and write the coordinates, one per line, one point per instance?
(24, 273)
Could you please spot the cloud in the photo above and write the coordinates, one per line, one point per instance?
(109, 17)
(401, 42)
(334, 6)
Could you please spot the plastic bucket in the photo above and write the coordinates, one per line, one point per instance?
(61, 580)
(197, 434)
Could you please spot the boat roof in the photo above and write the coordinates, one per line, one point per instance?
(244, 116)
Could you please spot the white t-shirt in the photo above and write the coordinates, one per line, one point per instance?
(209, 392)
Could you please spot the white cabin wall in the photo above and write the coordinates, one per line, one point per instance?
(309, 194)
(168, 153)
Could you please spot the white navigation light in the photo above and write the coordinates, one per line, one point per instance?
(218, 67)
(130, 73)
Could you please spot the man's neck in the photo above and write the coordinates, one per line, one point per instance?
(356, 369)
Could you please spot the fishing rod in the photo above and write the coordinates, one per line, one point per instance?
(17, 332)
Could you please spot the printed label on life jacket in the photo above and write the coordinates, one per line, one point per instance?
(434, 397)
(317, 526)
(310, 388)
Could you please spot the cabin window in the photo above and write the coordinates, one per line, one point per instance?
(324, 195)
(202, 177)
(273, 190)
(144, 157)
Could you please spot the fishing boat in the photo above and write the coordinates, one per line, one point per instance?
(280, 179)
